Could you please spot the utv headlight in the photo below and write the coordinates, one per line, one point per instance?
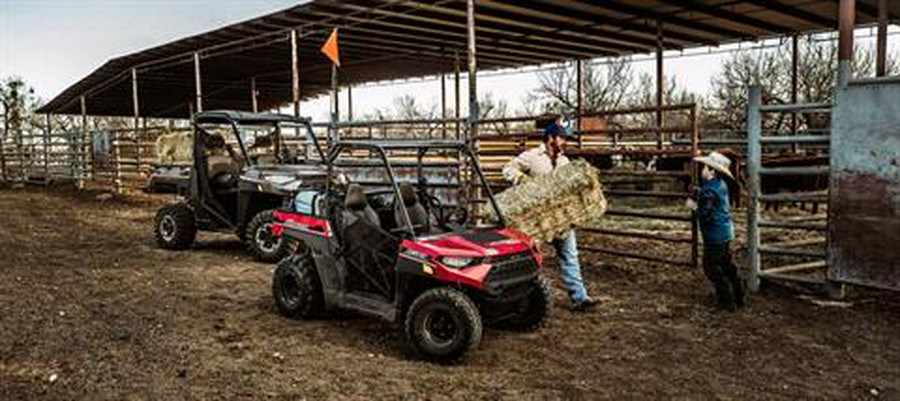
(458, 262)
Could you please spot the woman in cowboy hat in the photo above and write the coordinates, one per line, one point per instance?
(710, 201)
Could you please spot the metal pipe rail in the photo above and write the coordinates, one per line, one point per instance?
(792, 108)
(795, 139)
(796, 267)
(657, 216)
(791, 225)
(636, 234)
(803, 242)
(650, 194)
(631, 255)
(792, 277)
(795, 197)
(643, 173)
(636, 110)
(802, 170)
(773, 250)
(375, 123)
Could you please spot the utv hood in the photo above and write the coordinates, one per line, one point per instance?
(284, 178)
(477, 243)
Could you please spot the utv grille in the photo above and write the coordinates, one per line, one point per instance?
(511, 267)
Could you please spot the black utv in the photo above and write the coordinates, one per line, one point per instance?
(241, 172)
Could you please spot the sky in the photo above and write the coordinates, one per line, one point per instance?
(54, 43)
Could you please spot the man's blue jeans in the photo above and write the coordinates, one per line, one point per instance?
(567, 255)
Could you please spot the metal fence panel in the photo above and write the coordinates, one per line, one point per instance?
(865, 196)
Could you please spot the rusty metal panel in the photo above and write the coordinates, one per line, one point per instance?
(864, 212)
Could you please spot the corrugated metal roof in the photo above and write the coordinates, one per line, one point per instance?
(397, 39)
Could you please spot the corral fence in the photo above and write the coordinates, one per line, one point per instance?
(646, 167)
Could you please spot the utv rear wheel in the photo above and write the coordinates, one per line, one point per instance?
(534, 310)
(296, 288)
(443, 324)
(258, 237)
(174, 227)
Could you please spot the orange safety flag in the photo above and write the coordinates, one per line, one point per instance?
(330, 48)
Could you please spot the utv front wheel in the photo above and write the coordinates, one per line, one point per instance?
(258, 237)
(443, 324)
(296, 288)
(534, 310)
(174, 227)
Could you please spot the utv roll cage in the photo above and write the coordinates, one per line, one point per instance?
(422, 147)
(200, 186)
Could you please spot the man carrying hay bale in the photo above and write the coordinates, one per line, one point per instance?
(542, 161)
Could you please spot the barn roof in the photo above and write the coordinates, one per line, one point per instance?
(398, 39)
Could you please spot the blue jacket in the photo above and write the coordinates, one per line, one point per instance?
(713, 212)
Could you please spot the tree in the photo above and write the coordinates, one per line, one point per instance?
(18, 102)
(606, 86)
(644, 95)
(771, 69)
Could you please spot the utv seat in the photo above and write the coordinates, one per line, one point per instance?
(357, 207)
(418, 216)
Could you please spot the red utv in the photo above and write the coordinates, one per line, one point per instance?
(400, 254)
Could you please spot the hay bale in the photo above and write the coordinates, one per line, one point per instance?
(546, 207)
(174, 148)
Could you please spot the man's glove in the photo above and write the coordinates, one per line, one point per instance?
(521, 178)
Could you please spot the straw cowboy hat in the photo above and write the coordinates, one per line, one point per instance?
(718, 162)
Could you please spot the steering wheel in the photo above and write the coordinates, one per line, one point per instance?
(446, 215)
(456, 215)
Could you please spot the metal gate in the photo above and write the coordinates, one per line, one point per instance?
(808, 254)
(864, 243)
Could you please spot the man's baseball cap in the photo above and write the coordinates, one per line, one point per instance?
(553, 128)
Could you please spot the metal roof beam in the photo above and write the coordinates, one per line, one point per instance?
(795, 12)
(514, 23)
(669, 19)
(447, 39)
(864, 8)
(623, 24)
(492, 30)
(418, 46)
(514, 13)
(718, 12)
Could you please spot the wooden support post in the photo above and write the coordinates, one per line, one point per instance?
(47, 138)
(795, 51)
(3, 149)
(695, 150)
(444, 106)
(846, 24)
(135, 102)
(350, 109)
(579, 97)
(254, 95)
(473, 68)
(198, 83)
(473, 104)
(349, 103)
(81, 155)
(456, 94)
(335, 112)
(660, 78)
(881, 45)
(295, 73)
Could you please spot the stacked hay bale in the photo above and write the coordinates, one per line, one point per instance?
(546, 207)
(174, 148)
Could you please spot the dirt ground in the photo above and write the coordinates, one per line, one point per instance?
(91, 309)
